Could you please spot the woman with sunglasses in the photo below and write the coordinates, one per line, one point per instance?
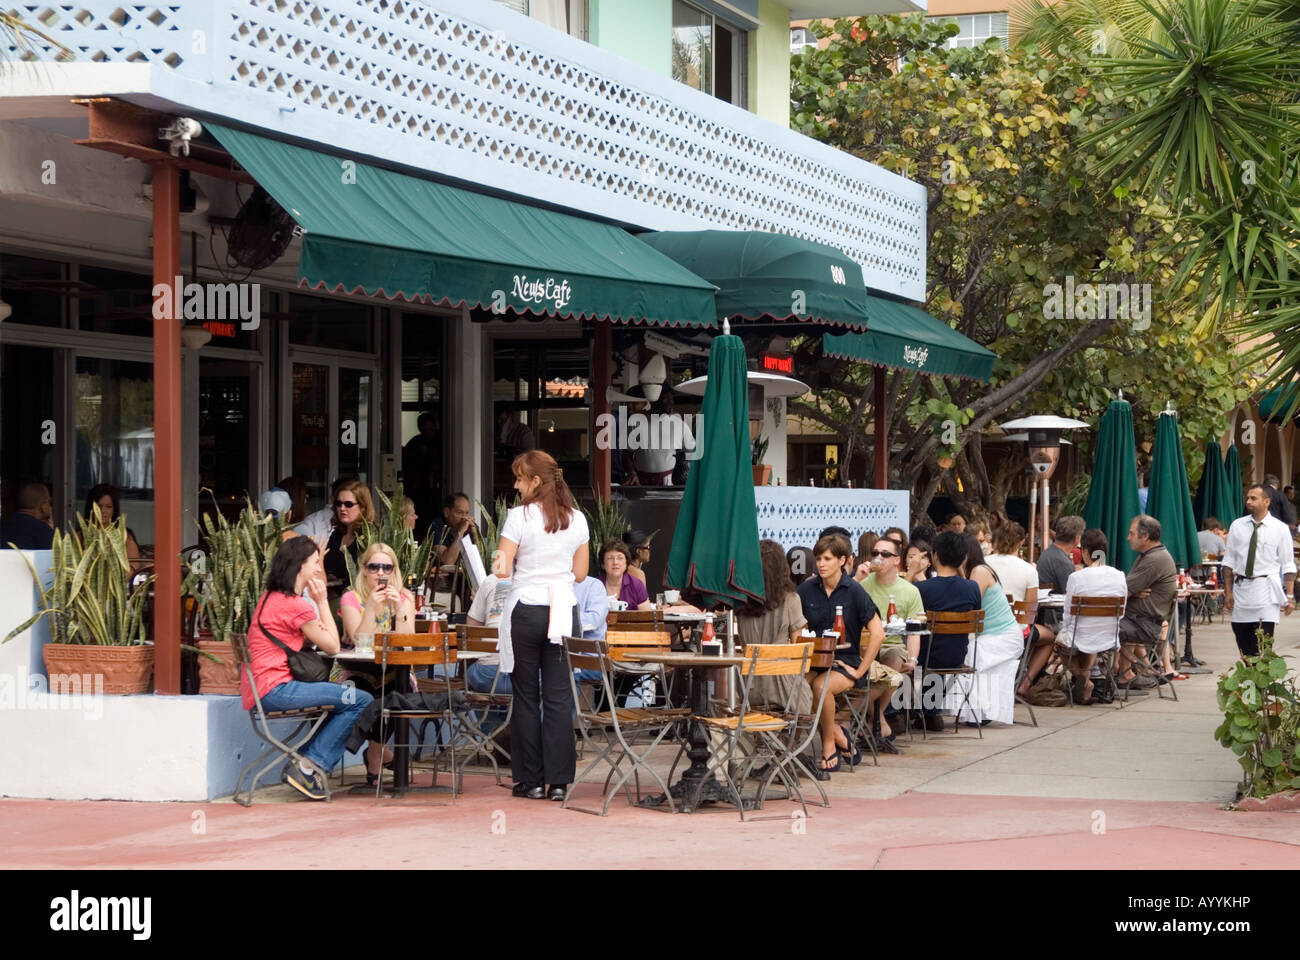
(638, 546)
(352, 510)
(377, 605)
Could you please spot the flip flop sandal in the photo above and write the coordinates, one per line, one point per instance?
(831, 769)
(853, 755)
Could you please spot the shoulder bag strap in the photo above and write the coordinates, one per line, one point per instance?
(273, 638)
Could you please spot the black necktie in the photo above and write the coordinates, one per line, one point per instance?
(1250, 554)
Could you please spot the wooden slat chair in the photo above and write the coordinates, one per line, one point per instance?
(861, 718)
(1026, 612)
(635, 619)
(421, 650)
(767, 730)
(1085, 608)
(483, 731)
(952, 623)
(623, 642)
(280, 750)
(612, 729)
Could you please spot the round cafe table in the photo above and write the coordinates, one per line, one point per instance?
(696, 786)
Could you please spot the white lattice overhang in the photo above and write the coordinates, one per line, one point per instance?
(473, 92)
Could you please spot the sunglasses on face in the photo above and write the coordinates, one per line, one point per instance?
(379, 567)
(877, 553)
(346, 504)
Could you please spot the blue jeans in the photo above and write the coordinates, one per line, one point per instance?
(479, 678)
(325, 749)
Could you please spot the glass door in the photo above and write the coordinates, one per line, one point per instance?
(331, 423)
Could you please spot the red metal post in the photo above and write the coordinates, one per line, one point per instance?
(881, 418)
(602, 347)
(167, 431)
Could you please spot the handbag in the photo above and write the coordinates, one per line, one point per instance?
(304, 665)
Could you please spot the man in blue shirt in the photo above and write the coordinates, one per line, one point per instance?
(832, 588)
(948, 590)
(29, 528)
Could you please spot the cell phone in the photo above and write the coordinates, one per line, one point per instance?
(383, 583)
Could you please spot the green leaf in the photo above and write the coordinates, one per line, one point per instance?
(1272, 758)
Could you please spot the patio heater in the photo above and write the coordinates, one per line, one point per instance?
(1044, 447)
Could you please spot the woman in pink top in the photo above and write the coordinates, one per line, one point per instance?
(377, 605)
(283, 614)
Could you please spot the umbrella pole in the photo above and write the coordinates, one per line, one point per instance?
(1046, 511)
(1033, 504)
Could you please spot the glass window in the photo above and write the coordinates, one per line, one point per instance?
(539, 391)
(27, 422)
(114, 301)
(801, 37)
(114, 425)
(692, 51)
(356, 396)
(310, 428)
(423, 453)
(336, 324)
(33, 289)
(974, 29)
(225, 411)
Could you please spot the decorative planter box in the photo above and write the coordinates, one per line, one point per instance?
(124, 670)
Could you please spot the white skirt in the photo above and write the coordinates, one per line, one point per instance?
(994, 695)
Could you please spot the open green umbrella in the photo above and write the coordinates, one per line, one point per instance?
(1234, 501)
(1113, 492)
(1210, 491)
(1169, 499)
(715, 546)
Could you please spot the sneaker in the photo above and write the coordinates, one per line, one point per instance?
(1144, 682)
(309, 785)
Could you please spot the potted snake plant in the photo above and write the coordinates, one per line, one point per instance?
(228, 581)
(96, 610)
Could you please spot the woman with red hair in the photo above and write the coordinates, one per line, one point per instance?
(543, 551)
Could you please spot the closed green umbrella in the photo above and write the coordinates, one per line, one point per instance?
(1113, 492)
(715, 546)
(1234, 500)
(1210, 491)
(1170, 499)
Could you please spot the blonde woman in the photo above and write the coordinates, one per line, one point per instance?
(377, 605)
(407, 512)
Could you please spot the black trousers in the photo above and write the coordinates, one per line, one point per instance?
(541, 727)
(1247, 642)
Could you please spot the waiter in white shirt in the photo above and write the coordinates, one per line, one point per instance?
(1259, 558)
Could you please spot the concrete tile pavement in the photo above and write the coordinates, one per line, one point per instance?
(1094, 787)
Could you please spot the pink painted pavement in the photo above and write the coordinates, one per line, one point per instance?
(910, 831)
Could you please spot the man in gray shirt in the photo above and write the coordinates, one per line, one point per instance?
(1055, 565)
(1212, 538)
(1152, 587)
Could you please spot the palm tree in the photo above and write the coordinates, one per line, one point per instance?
(16, 32)
(1214, 129)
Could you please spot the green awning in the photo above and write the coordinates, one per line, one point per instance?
(373, 231)
(771, 275)
(905, 337)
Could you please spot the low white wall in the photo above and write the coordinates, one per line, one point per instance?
(79, 747)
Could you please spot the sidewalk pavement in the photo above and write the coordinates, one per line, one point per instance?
(1090, 787)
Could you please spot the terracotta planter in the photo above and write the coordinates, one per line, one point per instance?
(120, 669)
(762, 473)
(217, 678)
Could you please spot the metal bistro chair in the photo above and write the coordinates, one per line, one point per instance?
(1026, 612)
(613, 725)
(948, 623)
(767, 730)
(419, 650)
(309, 719)
(622, 642)
(1094, 608)
(861, 718)
(482, 705)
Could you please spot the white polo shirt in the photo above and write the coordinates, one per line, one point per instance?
(1260, 598)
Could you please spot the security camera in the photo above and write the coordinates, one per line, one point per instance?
(179, 134)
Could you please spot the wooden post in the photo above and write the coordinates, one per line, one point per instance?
(167, 432)
(602, 345)
(881, 419)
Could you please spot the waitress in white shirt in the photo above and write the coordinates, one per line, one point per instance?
(1258, 558)
(543, 550)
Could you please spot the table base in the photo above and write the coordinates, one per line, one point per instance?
(690, 795)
